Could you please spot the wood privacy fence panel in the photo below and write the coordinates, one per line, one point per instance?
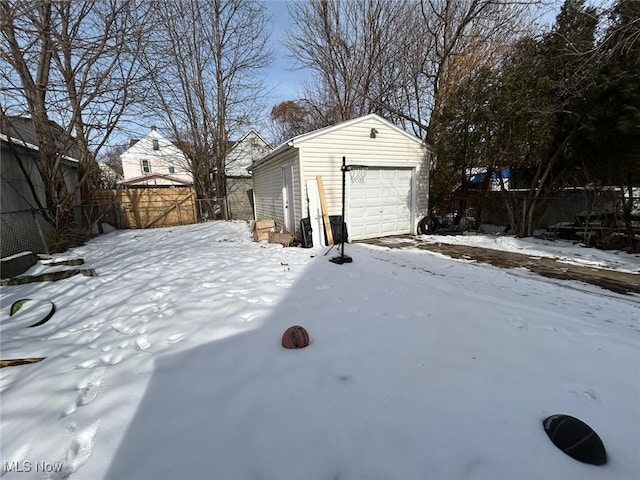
(145, 207)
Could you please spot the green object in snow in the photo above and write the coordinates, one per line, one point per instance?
(30, 312)
(17, 305)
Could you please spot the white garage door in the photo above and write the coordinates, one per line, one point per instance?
(381, 205)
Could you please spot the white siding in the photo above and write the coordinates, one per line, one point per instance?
(247, 150)
(167, 155)
(267, 188)
(322, 155)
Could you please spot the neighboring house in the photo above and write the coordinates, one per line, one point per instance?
(391, 200)
(242, 155)
(153, 161)
(23, 228)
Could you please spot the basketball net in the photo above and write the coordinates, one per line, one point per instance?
(358, 173)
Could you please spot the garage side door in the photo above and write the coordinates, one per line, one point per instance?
(381, 206)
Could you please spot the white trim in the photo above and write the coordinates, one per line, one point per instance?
(245, 136)
(415, 172)
(386, 164)
(308, 136)
(315, 216)
(273, 153)
(288, 198)
(151, 176)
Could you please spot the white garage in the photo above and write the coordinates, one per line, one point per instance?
(389, 199)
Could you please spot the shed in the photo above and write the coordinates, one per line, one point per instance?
(22, 190)
(390, 201)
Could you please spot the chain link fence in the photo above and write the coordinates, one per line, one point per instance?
(26, 230)
(23, 230)
(561, 206)
(208, 209)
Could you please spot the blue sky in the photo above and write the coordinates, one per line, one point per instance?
(284, 78)
(283, 82)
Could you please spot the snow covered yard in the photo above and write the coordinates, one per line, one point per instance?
(168, 364)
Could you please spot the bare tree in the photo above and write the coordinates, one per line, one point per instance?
(398, 58)
(210, 85)
(71, 66)
(352, 47)
(467, 35)
(290, 118)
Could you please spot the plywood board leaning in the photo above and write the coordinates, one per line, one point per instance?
(315, 212)
(325, 213)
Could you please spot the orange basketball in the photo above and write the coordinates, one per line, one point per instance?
(295, 337)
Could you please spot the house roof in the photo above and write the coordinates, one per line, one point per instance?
(239, 167)
(241, 139)
(74, 162)
(295, 141)
(20, 131)
(144, 145)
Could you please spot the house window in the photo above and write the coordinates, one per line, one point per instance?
(172, 169)
(156, 144)
(146, 166)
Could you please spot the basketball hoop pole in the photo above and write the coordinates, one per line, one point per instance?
(342, 258)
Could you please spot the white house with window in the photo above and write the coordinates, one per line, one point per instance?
(154, 161)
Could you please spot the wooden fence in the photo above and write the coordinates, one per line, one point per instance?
(144, 207)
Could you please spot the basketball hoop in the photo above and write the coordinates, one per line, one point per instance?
(358, 173)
